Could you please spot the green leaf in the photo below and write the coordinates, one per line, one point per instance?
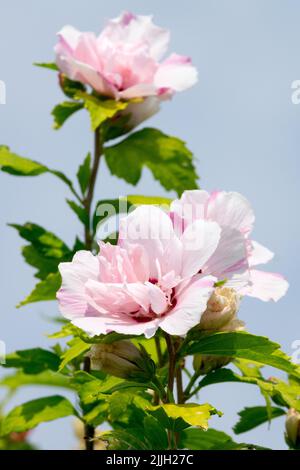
(244, 346)
(155, 433)
(63, 111)
(18, 166)
(197, 439)
(80, 212)
(46, 250)
(123, 440)
(84, 174)
(47, 378)
(250, 418)
(44, 290)
(33, 361)
(167, 157)
(137, 200)
(47, 65)
(77, 348)
(32, 413)
(100, 110)
(191, 413)
(70, 87)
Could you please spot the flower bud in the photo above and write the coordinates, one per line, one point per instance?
(121, 359)
(220, 315)
(221, 310)
(204, 364)
(292, 427)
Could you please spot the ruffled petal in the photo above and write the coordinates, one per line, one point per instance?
(266, 286)
(176, 73)
(191, 303)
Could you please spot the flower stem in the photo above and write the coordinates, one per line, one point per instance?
(172, 366)
(89, 431)
(98, 149)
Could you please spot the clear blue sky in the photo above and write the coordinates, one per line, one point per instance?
(239, 121)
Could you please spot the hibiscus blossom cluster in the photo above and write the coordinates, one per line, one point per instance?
(167, 268)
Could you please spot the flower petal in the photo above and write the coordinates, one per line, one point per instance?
(190, 305)
(231, 210)
(259, 254)
(230, 257)
(95, 326)
(72, 296)
(266, 286)
(176, 73)
(199, 242)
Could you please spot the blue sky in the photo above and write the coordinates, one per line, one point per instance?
(239, 121)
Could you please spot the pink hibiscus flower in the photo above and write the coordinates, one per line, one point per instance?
(155, 278)
(123, 62)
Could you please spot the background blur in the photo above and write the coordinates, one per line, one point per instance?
(239, 121)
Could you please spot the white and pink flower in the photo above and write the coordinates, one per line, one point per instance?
(153, 278)
(123, 62)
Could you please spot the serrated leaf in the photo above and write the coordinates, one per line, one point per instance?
(252, 417)
(80, 212)
(123, 440)
(100, 110)
(63, 111)
(192, 413)
(33, 361)
(70, 87)
(77, 347)
(197, 439)
(155, 433)
(84, 174)
(44, 290)
(46, 250)
(243, 345)
(19, 166)
(167, 157)
(32, 413)
(47, 378)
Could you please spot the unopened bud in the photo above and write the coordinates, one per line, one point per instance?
(221, 310)
(121, 359)
(292, 427)
(203, 364)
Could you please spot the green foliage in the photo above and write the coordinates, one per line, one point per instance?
(33, 361)
(252, 417)
(100, 109)
(47, 378)
(80, 211)
(167, 157)
(63, 111)
(45, 251)
(47, 65)
(197, 439)
(244, 346)
(18, 166)
(77, 348)
(84, 174)
(44, 290)
(191, 413)
(32, 413)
